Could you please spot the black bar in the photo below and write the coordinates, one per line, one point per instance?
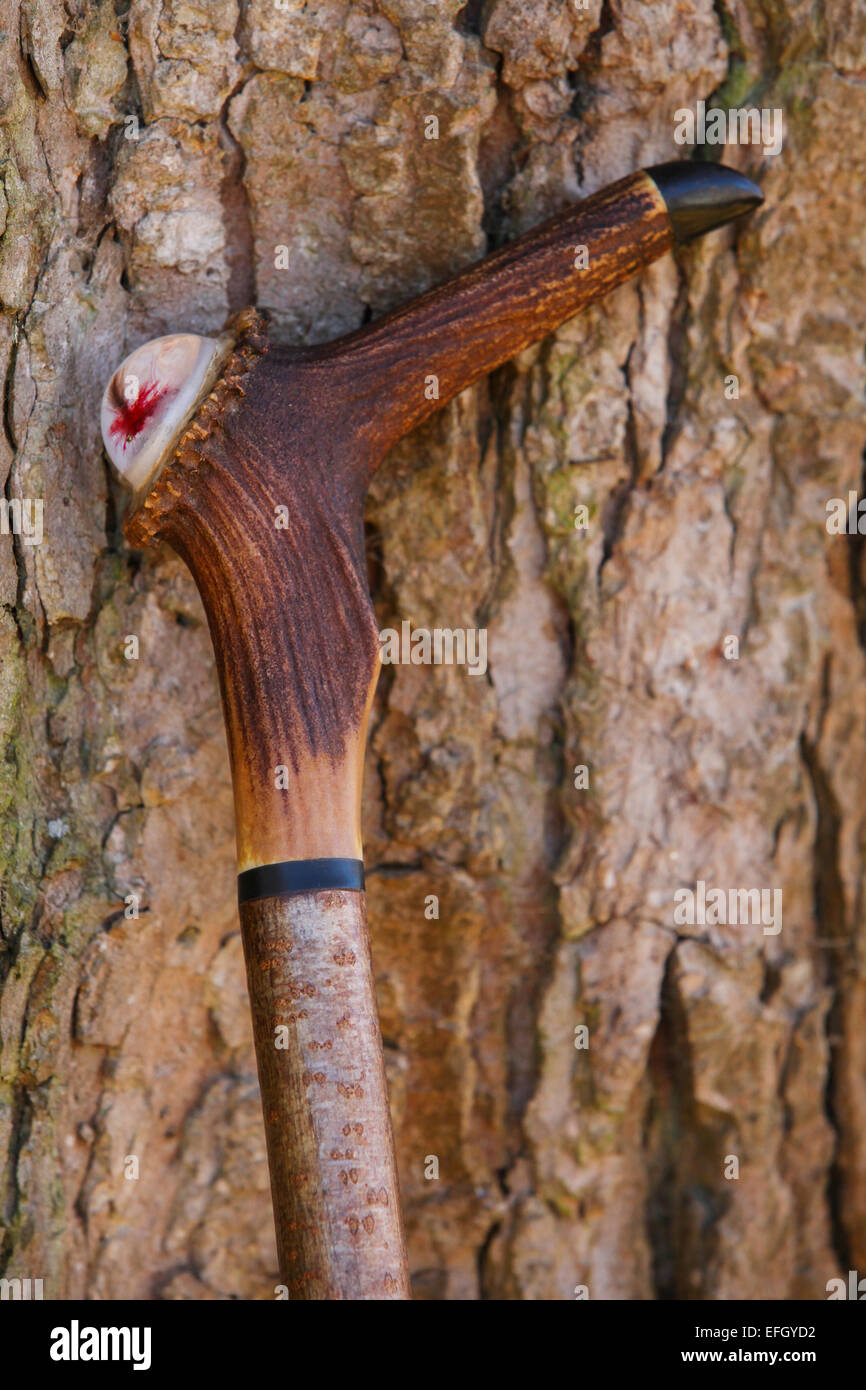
(301, 876)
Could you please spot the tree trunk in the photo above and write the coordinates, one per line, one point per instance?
(590, 1093)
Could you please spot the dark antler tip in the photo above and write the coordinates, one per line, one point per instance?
(701, 197)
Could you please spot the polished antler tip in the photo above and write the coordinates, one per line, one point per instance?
(150, 398)
(701, 197)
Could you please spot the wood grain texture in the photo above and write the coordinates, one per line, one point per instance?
(324, 1096)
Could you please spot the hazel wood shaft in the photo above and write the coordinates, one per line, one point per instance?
(324, 1097)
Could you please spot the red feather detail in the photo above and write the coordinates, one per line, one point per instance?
(134, 415)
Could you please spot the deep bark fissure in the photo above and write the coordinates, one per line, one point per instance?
(833, 946)
(682, 1144)
(237, 213)
(19, 1134)
(486, 1277)
(615, 513)
(24, 627)
(857, 569)
(678, 356)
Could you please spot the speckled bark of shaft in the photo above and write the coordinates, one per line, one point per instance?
(324, 1096)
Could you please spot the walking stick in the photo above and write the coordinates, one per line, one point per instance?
(252, 462)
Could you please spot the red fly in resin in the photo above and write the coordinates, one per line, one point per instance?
(132, 416)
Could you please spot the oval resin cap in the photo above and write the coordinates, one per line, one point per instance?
(151, 397)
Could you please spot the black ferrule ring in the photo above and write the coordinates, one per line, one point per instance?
(301, 876)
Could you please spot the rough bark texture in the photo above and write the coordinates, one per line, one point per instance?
(303, 126)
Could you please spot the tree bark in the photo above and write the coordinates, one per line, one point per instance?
(588, 1094)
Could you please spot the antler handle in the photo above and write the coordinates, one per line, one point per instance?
(260, 488)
